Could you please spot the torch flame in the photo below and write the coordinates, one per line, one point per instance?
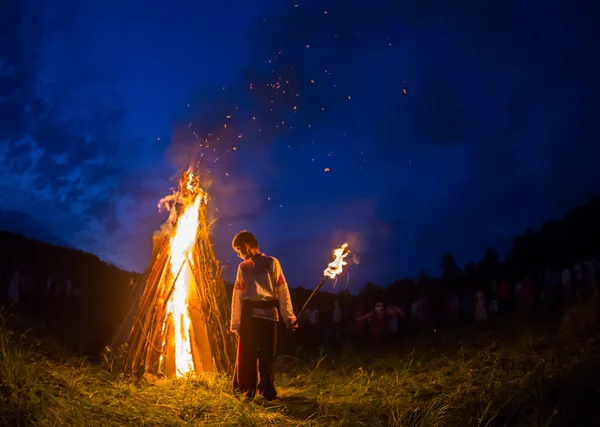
(336, 266)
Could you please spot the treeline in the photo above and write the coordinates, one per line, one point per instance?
(68, 295)
(557, 245)
(79, 301)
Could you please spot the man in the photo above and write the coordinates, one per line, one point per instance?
(337, 320)
(260, 287)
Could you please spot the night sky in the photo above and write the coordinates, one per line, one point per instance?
(407, 128)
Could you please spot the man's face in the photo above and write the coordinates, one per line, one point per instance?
(243, 251)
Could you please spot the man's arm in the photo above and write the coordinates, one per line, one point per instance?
(283, 293)
(365, 316)
(236, 302)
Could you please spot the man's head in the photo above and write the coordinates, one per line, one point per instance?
(245, 244)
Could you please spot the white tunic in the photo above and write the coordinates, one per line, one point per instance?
(261, 279)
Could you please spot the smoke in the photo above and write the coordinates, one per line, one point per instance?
(355, 244)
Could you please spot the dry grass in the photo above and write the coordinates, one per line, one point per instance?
(530, 381)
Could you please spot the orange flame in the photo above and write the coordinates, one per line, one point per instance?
(336, 266)
(182, 245)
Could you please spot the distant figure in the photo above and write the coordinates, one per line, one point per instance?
(307, 315)
(577, 280)
(578, 272)
(337, 319)
(313, 324)
(361, 327)
(480, 306)
(392, 313)
(566, 281)
(547, 285)
(414, 309)
(376, 319)
(504, 296)
(467, 306)
(14, 288)
(589, 275)
(423, 309)
(493, 298)
(260, 288)
(526, 294)
(453, 307)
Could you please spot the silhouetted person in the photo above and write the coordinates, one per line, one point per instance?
(480, 312)
(361, 327)
(393, 313)
(504, 296)
(377, 322)
(589, 276)
(337, 320)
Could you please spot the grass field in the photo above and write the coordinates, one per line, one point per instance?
(533, 380)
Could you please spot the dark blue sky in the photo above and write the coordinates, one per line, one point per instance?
(443, 128)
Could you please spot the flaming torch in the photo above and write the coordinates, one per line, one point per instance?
(334, 268)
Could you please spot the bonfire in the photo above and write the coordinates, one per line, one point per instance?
(179, 321)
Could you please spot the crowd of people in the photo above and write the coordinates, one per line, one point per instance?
(442, 308)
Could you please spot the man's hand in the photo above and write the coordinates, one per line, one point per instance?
(291, 324)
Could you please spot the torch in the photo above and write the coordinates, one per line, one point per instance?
(334, 268)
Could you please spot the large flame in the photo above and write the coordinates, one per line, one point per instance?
(182, 245)
(336, 266)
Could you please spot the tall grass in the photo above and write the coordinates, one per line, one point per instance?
(531, 381)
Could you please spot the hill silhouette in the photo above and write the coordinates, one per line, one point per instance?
(65, 294)
(22, 223)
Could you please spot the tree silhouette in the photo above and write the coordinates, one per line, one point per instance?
(451, 272)
(489, 266)
(371, 293)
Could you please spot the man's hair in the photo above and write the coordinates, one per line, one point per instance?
(242, 238)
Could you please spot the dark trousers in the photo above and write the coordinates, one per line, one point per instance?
(257, 343)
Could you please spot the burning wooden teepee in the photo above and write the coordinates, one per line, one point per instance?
(181, 323)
